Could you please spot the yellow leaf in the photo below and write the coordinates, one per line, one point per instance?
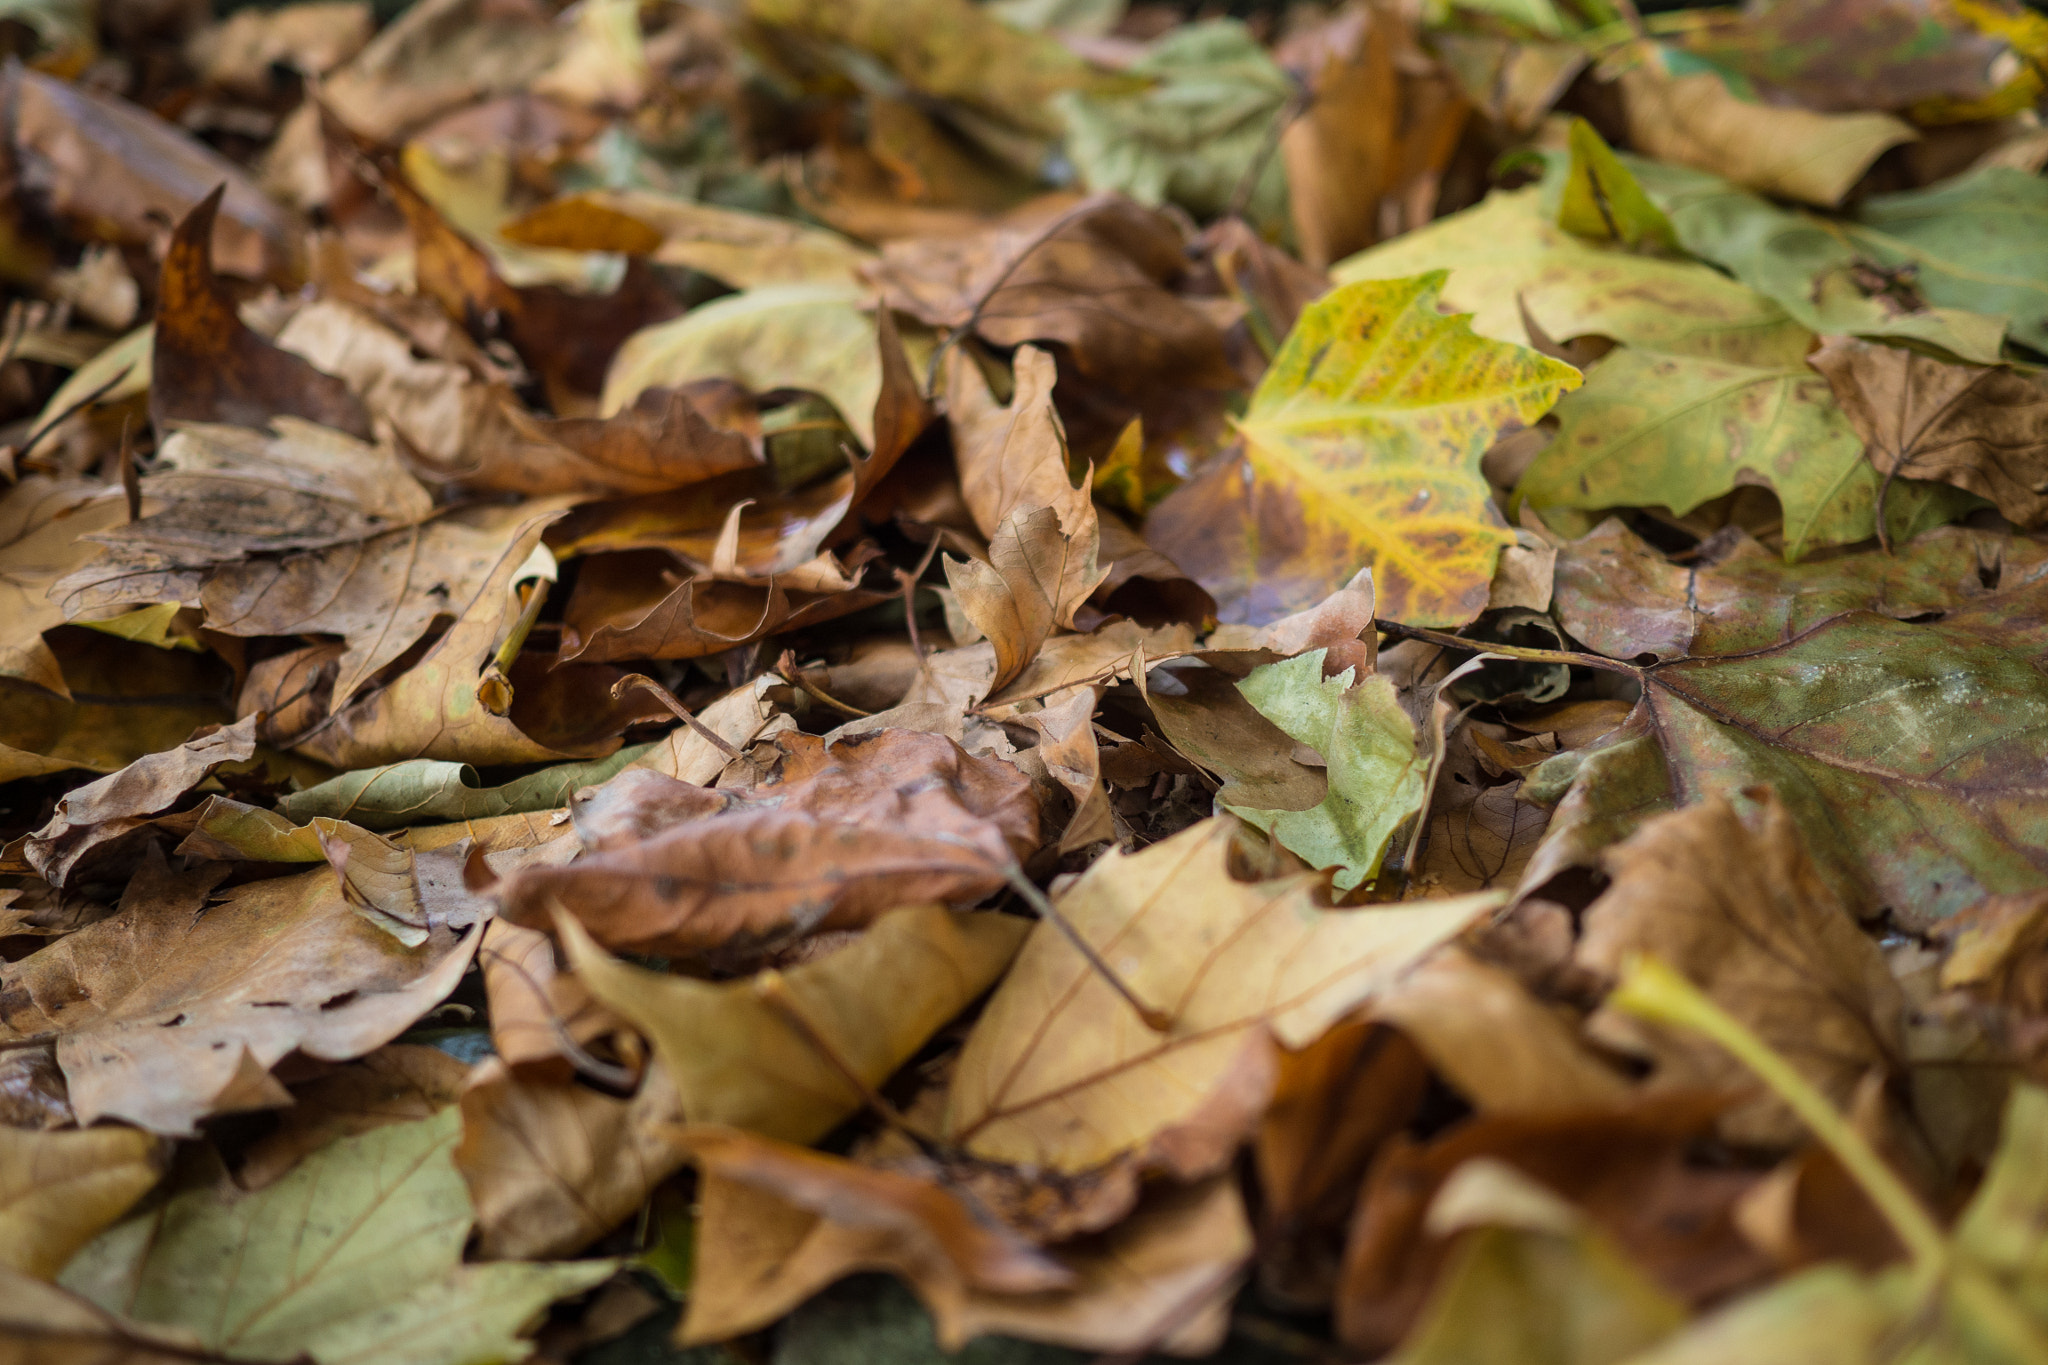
(57, 1190)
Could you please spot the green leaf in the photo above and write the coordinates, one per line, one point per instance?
(1912, 756)
(432, 791)
(1508, 254)
(1196, 133)
(1603, 202)
(790, 336)
(2001, 1228)
(1368, 742)
(1951, 266)
(1362, 446)
(355, 1256)
(1829, 1315)
(1650, 429)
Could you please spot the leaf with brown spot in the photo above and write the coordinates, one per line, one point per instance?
(851, 830)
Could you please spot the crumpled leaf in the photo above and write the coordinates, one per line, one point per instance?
(849, 830)
(1377, 777)
(1732, 901)
(376, 1276)
(1509, 262)
(58, 1189)
(1279, 527)
(1975, 426)
(1625, 600)
(1045, 1080)
(102, 811)
(1095, 277)
(432, 57)
(1695, 120)
(1160, 1280)
(751, 1053)
(1201, 128)
(163, 1015)
(1677, 431)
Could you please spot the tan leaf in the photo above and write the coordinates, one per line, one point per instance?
(44, 523)
(1060, 1071)
(746, 250)
(1036, 577)
(58, 1189)
(749, 1053)
(398, 1083)
(1733, 901)
(164, 1015)
(1976, 426)
(851, 829)
(41, 1324)
(553, 1165)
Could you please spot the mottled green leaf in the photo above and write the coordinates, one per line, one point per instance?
(1603, 202)
(1376, 777)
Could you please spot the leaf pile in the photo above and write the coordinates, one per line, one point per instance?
(817, 678)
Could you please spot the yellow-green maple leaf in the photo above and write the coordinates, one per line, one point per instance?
(1373, 418)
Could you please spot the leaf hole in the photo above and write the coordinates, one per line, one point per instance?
(335, 1002)
(173, 1021)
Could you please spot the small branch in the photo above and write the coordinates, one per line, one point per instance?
(1536, 656)
(1158, 1020)
(603, 1072)
(786, 669)
(1050, 231)
(668, 699)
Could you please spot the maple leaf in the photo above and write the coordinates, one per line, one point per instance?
(1362, 445)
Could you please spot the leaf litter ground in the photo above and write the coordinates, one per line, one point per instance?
(826, 680)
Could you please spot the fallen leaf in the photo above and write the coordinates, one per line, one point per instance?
(1625, 600)
(163, 1016)
(43, 528)
(746, 250)
(1967, 425)
(1203, 127)
(1601, 201)
(41, 1324)
(553, 1165)
(398, 1083)
(58, 1189)
(1376, 775)
(1732, 901)
(379, 1278)
(1509, 262)
(311, 39)
(752, 1053)
(1277, 528)
(1695, 120)
(1678, 431)
(852, 829)
(1043, 1081)
(1094, 276)
(1846, 55)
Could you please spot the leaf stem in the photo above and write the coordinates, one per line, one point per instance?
(1158, 1020)
(1535, 656)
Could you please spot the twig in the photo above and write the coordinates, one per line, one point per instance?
(908, 582)
(603, 1072)
(786, 669)
(668, 699)
(1050, 231)
(1539, 656)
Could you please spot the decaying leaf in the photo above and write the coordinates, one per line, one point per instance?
(850, 830)
(1276, 529)
(58, 1189)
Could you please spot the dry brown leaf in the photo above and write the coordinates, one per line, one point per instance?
(552, 1165)
(101, 812)
(44, 523)
(58, 1189)
(1978, 427)
(1094, 277)
(398, 1083)
(121, 172)
(1730, 898)
(532, 1004)
(845, 1217)
(1037, 576)
(791, 1054)
(1160, 1280)
(1060, 1071)
(311, 39)
(851, 829)
(163, 1015)
(1479, 838)
(746, 250)
(643, 604)
(1068, 749)
(41, 1324)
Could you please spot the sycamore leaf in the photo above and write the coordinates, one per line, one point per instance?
(41, 1324)
(58, 1189)
(1060, 1071)
(1200, 130)
(164, 1015)
(355, 1256)
(749, 1053)
(1676, 431)
(43, 528)
(1367, 742)
(1509, 261)
(1978, 427)
(1602, 201)
(1362, 445)
(746, 250)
